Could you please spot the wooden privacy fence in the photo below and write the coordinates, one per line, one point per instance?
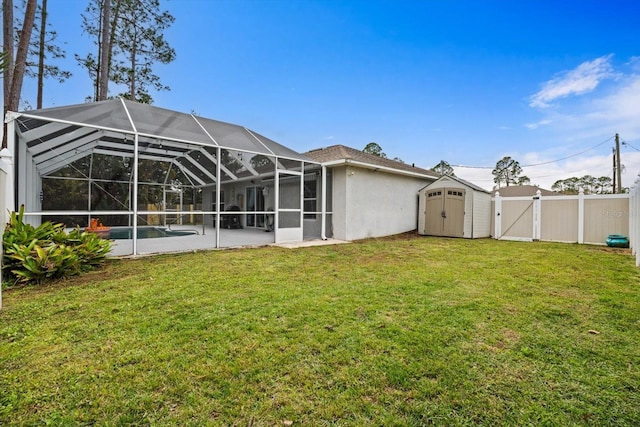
(572, 219)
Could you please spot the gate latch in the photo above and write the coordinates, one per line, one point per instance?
(443, 214)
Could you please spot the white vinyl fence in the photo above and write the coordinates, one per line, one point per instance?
(634, 219)
(573, 219)
(6, 197)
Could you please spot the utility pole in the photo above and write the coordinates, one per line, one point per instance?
(618, 164)
(613, 151)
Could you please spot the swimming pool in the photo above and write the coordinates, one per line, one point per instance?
(122, 233)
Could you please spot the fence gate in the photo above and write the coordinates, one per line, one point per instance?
(444, 212)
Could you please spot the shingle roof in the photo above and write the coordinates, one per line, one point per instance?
(341, 152)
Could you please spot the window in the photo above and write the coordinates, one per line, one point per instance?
(310, 196)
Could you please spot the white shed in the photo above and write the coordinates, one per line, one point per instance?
(454, 207)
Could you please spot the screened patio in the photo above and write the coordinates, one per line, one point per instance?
(156, 180)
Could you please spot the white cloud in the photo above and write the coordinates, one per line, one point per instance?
(634, 63)
(621, 107)
(598, 116)
(538, 124)
(583, 79)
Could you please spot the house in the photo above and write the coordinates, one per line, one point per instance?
(368, 195)
(137, 166)
(454, 207)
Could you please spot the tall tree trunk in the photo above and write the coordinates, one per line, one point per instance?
(105, 52)
(132, 83)
(41, 53)
(21, 56)
(12, 98)
(7, 48)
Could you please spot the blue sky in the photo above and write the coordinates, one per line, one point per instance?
(464, 81)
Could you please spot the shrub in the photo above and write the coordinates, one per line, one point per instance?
(35, 254)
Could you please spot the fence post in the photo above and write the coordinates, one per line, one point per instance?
(497, 222)
(634, 219)
(7, 197)
(537, 215)
(581, 216)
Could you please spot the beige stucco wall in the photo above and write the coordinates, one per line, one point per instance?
(369, 203)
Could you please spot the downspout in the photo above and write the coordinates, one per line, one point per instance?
(323, 216)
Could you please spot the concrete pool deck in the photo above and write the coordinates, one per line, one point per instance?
(245, 237)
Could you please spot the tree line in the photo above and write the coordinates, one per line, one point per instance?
(128, 39)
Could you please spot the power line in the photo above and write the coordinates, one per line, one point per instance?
(629, 145)
(542, 163)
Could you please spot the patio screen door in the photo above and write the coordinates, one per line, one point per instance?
(289, 195)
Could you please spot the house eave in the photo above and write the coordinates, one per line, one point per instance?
(351, 162)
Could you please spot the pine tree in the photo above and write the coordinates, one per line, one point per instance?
(134, 44)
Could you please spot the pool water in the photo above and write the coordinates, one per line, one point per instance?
(120, 233)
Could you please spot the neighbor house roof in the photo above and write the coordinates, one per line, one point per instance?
(336, 155)
(461, 181)
(524, 191)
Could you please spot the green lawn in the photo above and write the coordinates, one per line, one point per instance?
(401, 331)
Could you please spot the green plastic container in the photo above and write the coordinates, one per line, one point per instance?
(617, 241)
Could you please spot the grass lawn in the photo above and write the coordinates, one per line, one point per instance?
(400, 331)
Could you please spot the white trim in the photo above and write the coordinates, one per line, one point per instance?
(351, 162)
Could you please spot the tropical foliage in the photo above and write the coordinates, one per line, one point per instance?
(36, 254)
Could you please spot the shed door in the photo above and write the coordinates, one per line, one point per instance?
(444, 212)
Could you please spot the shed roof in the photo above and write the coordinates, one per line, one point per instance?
(461, 181)
(341, 154)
